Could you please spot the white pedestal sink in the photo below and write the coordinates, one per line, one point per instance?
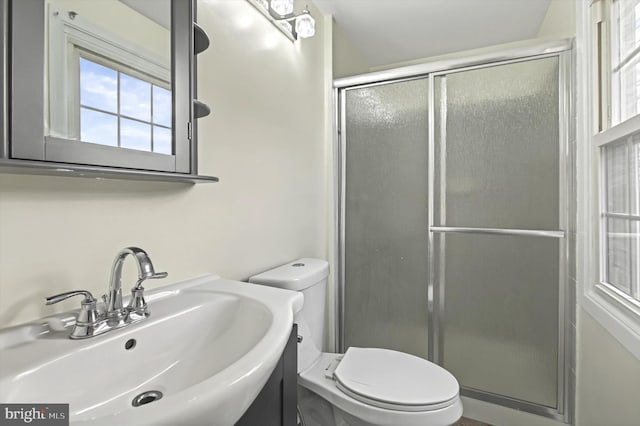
(209, 346)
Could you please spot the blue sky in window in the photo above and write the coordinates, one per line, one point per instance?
(161, 106)
(162, 140)
(135, 97)
(99, 89)
(98, 86)
(98, 127)
(135, 135)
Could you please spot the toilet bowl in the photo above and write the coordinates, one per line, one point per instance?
(363, 386)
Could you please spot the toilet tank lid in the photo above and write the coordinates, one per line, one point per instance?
(297, 275)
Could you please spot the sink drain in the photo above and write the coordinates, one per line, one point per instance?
(146, 398)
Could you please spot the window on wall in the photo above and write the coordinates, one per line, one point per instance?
(615, 52)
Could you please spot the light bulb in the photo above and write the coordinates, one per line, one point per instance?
(305, 25)
(282, 7)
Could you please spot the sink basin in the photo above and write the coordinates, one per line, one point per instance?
(208, 347)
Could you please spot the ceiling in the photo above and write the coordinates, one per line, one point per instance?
(391, 31)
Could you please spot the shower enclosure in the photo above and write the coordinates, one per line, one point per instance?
(454, 207)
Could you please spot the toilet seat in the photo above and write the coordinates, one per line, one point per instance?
(395, 380)
(320, 381)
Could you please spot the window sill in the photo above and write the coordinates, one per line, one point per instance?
(618, 316)
(27, 167)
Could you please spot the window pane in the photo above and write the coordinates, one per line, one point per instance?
(617, 177)
(161, 106)
(98, 86)
(98, 127)
(628, 26)
(635, 259)
(619, 254)
(135, 135)
(635, 175)
(162, 140)
(629, 77)
(135, 97)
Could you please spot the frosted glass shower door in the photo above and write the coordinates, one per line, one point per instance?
(385, 217)
(497, 239)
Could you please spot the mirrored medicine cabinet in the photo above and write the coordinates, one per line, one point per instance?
(101, 88)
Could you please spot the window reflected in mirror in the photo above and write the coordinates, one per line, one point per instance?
(118, 109)
(109, 73)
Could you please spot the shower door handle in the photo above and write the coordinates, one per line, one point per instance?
(498, 231)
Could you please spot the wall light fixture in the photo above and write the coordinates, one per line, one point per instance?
(280, 14)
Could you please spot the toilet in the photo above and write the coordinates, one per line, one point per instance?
(363, 386)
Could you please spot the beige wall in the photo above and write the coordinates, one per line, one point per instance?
(608, 378)
(514, 45)
(264, 139)
(347, 60)
(560, 21)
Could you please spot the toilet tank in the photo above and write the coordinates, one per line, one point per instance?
(308, 276)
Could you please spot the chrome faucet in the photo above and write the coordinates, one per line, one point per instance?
(90, 322)
(113, 299)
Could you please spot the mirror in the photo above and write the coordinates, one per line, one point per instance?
(101, 86)
(108, 76)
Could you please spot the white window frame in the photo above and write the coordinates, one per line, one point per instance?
(618, 313)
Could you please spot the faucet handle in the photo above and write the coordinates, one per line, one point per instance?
(88, 297)
(154, 276)
(137, 307)
(158, 275)
(88, 319)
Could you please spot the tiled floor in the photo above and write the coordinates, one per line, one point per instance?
(469, 422)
